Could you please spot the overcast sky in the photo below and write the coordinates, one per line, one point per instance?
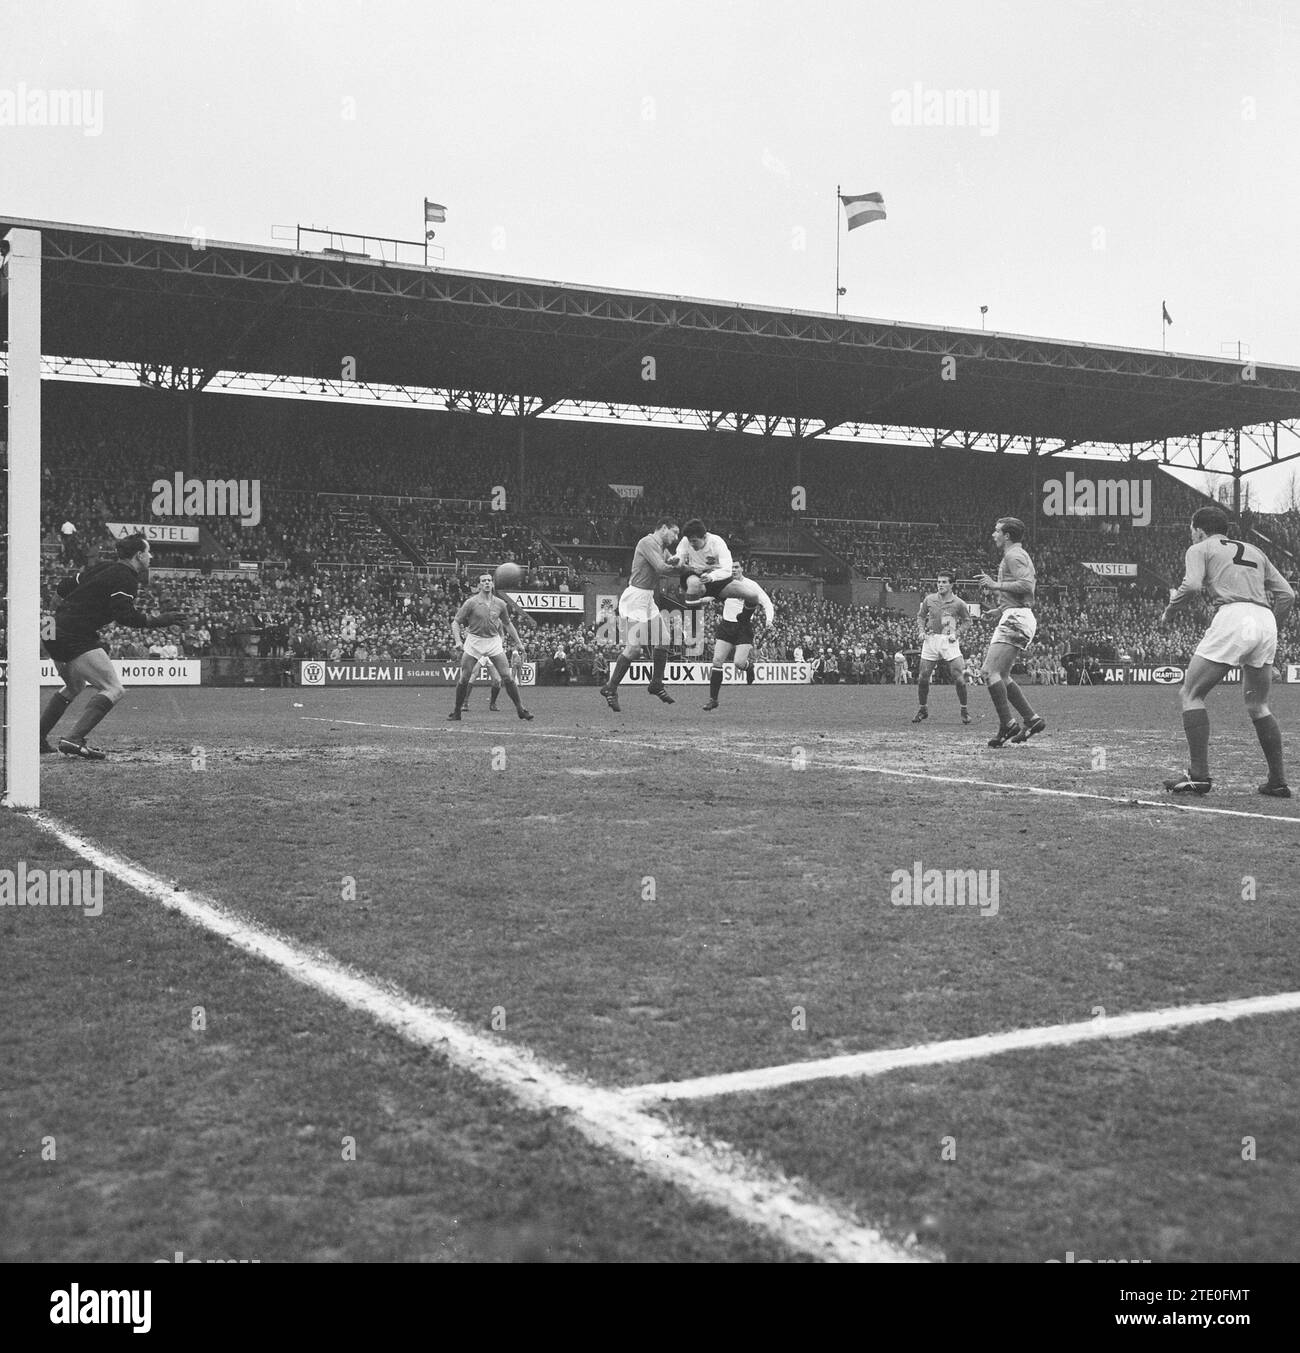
(1122, 152)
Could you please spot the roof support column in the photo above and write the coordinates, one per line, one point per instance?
(521, 506)
(1236, 474)
(1033, 491)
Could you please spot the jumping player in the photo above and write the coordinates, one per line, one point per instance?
(486, 617)
(95, 596)
(640, 609)
(1251, 600)
(942, 618)
(734, 637)
(1015, 631)
(709, 558)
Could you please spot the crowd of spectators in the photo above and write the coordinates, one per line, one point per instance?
(356, 502)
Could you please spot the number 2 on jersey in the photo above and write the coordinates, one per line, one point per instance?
(1240, 556)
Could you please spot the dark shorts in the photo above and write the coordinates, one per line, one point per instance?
(735, 632)
(714, 589)
(64, 648)
(666, 603)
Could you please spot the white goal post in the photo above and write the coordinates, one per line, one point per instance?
(22, 690)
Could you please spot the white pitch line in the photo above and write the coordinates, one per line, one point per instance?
(856, 768)
(710, 1172)
(862, 1064)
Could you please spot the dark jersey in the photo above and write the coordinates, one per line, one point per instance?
(103, 594)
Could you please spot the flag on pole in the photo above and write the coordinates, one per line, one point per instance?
(434, 214)
(863, 208)
(1164, 313)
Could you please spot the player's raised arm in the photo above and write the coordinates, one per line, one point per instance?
(723, 551)
(1193, 578)
(1281, 595)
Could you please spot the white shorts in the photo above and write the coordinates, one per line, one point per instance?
(479, 647)
(1017, 627)
(638, 604)
(1241, 635)
(940, 648)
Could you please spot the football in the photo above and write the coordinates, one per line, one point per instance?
(509, 575)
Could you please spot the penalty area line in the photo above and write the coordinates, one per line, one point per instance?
(855, 768)
(708, 1172)
(859, 1065)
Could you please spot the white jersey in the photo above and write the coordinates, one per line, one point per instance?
(732, 607)
(713, 561)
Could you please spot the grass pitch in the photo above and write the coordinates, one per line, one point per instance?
(646, 897)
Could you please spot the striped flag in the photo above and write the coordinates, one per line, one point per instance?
(434, 213)
(863, 208)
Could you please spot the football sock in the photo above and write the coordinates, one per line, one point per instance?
(661, 661)
(961, 694)
(715, 682)
(923, 690)
(998, 691)
(1196, 724)
(620, 670)
(750, 675)
(96, 708)
(54, 710)
(1017, 698)
(1270, 739)
(462, 692)
(512, 691)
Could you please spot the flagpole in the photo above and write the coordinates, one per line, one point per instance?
(837, 248)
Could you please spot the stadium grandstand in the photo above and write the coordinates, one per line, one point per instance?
(485, 419)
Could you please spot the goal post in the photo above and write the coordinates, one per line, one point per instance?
(22, 690)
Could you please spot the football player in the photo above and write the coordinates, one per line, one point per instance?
(734, 637)
(1251, 599)
(486, 617)
(640, 611)
(514, 654)
(942, 618)
(1015, 631)
(705, 558)
(95, 596)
